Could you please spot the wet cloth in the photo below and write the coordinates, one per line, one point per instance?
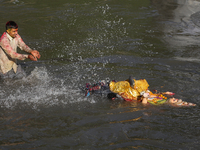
(157, 101)
(100, 87)
(8, 52)
(124, 89)
(129, 92)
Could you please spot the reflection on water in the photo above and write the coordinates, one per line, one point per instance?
(123, 121)
(182, 29)
(86, 41)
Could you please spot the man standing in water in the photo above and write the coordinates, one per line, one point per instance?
(9, 42)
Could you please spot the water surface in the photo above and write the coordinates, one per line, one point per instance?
(86, 41)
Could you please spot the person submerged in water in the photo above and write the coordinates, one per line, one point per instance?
(135, 91)
(9, 42)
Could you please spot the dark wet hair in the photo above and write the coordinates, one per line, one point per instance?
(111, 95)
(11, 25)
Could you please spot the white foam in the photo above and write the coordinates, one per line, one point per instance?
(39, 88)
(191, 59)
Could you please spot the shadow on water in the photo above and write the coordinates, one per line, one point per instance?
(86, 41)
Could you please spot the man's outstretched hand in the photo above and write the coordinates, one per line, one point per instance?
(36, 54)
(31, 57)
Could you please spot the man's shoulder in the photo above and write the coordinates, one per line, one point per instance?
(4, 37)
(18, 36)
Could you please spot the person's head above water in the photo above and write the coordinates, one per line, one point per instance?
(12, 28)
(11, 25)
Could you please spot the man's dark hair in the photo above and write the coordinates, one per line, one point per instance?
(11, 25)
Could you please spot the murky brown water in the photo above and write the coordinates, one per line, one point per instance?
(86, 41)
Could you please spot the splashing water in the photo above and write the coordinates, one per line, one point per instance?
(39, 88)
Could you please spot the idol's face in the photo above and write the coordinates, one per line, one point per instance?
(173, 100)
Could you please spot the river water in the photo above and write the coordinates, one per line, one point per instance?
(88, 40)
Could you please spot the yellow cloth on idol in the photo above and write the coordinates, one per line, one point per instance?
(119, 87)
(141, 85)
(124, 89)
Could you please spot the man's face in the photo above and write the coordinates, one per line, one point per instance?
(12, 32)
